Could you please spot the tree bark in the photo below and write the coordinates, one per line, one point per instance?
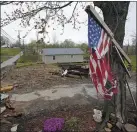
(115, 14)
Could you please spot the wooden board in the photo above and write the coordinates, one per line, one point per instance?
(91, 11)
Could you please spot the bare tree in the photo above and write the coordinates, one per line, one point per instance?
(134, 42)
(115, 14)
(52, 12)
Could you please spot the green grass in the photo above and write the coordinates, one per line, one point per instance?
(9, 51)
(29, 57)
(4, 58)
(72, 124)
(133, 62)
(20, 65)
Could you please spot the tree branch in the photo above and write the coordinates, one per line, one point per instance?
(5, 2)
(33, 12)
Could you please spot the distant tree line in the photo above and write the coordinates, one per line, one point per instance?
(3, 42)
(35, 46)
(130, 49)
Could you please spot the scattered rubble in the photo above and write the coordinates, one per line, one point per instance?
(40, 77)
(130, 128)
(5, 89)
(97, 115)
(4, 96)
(14, 128)
(2, 109)
(4, 121)
(8, 104)
(109, 125)
(74, 70)
(107, 129)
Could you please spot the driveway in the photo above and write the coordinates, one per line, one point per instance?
(11, 61)
(56, 96)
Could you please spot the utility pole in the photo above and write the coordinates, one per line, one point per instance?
(128, 47)
(19, 38)
(37, 44)
(23, 46)
(37, 40)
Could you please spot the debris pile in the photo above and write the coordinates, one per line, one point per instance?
(74, 70)
(27, 79)
(7, 110)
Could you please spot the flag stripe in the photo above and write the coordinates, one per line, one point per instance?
(100, 71)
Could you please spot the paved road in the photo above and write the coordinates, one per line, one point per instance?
(11, 61)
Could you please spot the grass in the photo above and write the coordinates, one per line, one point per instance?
(7, 53)
(10, 51)
(4, 58)
(20, 65)
(72, 124)
(28, 59)
(133, 62)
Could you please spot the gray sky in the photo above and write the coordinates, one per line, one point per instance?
(69, 32)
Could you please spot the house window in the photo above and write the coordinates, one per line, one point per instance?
(71, 56)
(53, 57)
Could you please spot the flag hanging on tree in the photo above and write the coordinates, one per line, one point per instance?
(100, 71)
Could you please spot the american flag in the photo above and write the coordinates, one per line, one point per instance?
(100, 70)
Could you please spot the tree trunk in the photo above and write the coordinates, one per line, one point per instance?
(115, 14)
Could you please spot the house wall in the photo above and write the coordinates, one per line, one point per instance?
(62, 59)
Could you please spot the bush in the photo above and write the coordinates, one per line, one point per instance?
(72, 125)
(29, 58)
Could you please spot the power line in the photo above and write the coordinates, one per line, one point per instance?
(7, 36)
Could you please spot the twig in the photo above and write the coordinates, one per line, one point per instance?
(34, 12)
(73, 12)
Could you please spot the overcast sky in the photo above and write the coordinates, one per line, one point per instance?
(69, 32)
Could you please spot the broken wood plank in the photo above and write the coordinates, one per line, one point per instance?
(5, 89)
(91, 11)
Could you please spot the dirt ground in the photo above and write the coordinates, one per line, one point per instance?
(40, 78)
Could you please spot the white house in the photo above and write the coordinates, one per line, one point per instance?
(62, 55)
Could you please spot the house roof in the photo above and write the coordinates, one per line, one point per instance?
(62, 51)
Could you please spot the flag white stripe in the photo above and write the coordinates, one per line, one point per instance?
(104, 40)
(100, 40)
(93, 63)
(107, 46)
